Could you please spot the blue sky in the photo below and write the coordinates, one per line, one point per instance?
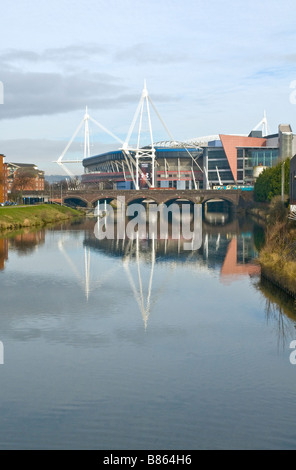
(211, 67)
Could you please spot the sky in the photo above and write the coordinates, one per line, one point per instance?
(211, 67)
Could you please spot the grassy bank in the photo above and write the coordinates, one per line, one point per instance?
(16, 217)
(278, 255)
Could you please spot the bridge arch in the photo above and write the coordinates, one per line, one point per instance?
(218, 198)
(75, 201)
(177, 199)
(140, 199)
(101, 200)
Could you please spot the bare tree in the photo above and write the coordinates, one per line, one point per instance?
(46, 186)
(74, 183)
(21, 182)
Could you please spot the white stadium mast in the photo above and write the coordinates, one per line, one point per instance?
(134, 155)
(86, 151)
(141, 154)
(263, 123)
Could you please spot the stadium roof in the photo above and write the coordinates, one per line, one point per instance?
(199, 141)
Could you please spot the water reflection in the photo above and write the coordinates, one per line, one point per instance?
(142, 298)
(231, 268)
(82, 271)
(217, 218)
(229, 248)
(280, 309)
(24, 243)
(3, 252)
(228, 251)
(27, 241)
(205, 372)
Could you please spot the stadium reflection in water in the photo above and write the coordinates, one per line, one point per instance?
(225, 247)
(224, 244)
(140, 344)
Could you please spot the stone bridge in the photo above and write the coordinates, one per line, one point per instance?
(89, 198)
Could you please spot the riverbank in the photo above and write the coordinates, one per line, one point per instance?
(278, 255)
(278, 265)
(16, 217)
(259, 211)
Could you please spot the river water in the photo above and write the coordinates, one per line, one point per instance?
(140, 344)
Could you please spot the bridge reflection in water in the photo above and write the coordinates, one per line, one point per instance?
(226, 250)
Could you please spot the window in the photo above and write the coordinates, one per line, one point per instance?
(221, 164)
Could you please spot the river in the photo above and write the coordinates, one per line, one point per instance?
(141, 344)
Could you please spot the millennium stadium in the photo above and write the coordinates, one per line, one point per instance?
(227, 160)
(173, 167)
(211, 162)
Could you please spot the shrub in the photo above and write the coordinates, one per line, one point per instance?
(269, 182)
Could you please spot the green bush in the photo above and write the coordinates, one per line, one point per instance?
(269, 183)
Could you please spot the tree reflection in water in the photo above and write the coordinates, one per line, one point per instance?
(280, 309)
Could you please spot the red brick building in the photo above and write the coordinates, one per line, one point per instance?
(24, 177)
